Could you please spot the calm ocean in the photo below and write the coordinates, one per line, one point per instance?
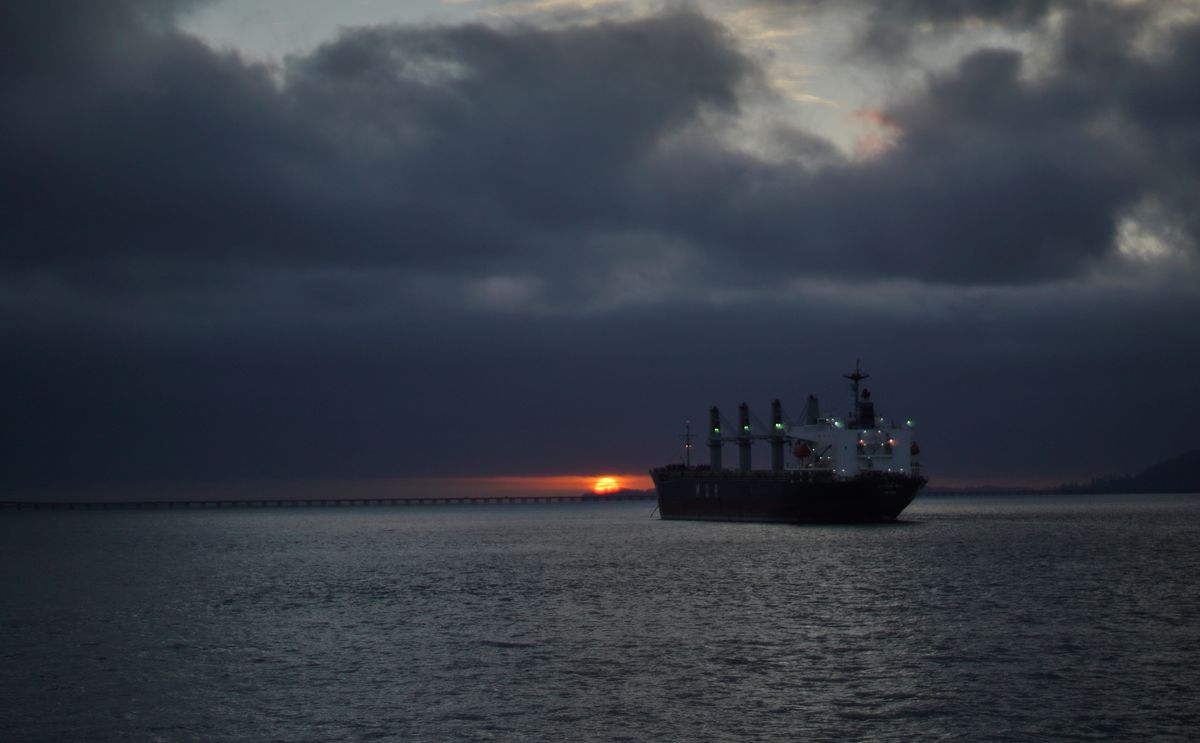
(978, 618)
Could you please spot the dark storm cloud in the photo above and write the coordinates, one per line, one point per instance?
(994, 176)
(1156, 97)
(994, 179)
(515, 135)
(371, 260)
(1002, 173)
(137, 151)
(479, 151)
(1002, 390)
(388, 145)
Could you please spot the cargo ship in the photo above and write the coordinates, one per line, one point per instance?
(858, 468)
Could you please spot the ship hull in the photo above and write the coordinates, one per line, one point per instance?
(785, 497)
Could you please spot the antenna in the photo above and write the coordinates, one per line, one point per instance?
(855, 378)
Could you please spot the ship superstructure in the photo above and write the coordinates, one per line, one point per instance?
(858, 467)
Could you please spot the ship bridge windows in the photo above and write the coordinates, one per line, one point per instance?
(877, 443)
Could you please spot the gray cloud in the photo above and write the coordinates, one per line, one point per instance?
(890, 27)
(887, 30)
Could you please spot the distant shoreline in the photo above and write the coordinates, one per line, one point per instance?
(1001, 491)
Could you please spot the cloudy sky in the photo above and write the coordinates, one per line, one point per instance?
(296, 240)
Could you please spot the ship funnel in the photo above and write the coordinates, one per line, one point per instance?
(776, 436)
(714, 438)
(743, 437)
(812, 410)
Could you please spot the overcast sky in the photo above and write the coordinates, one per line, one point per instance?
(264, 239)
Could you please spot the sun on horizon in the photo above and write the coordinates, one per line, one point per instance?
(606, 485)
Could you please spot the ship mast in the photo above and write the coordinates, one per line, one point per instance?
(687, 443)
(863, 412)
(855, 378)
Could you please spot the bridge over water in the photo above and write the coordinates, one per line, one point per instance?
(16, 505)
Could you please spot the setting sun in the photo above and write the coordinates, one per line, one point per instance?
(606, 485)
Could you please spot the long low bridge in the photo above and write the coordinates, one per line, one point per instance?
(49, 505)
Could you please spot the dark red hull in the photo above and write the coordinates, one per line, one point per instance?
(792, 497)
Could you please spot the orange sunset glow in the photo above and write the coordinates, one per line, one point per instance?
(606, 485)
(455, 487)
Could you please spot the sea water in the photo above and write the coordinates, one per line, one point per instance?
(975, 618)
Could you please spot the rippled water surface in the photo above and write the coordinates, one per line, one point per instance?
(999, 618)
